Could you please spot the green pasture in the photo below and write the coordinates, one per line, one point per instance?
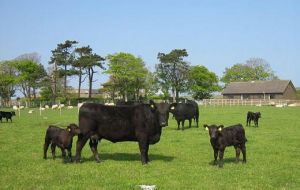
(181, 160)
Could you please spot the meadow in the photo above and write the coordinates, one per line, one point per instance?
(181, 160)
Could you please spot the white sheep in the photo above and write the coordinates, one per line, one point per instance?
(55, 106)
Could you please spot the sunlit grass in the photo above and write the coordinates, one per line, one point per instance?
(181, 160)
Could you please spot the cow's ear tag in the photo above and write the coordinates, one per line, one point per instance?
(206, 128)
(152, 106)
(172, 107)
(69, 129)
(220, 129)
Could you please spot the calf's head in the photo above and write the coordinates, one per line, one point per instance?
(258, 114)
(162, 111)
(73, 129)
(214, 130)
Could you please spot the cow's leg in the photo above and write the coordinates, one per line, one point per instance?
(63, 153)
(182, 125)
(144, 146)
(147, 156)
(215, 156)
(197, 120)
(80, 144)
(244, 153)
(178, 124)
(237, 154)
(46, 145)
(190, 123)
(53, 150)
(221, 154)
(93, 144)
(70, 154)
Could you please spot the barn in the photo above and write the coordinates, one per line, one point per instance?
(275, 89)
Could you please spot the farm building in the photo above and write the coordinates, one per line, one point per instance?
(275, 89)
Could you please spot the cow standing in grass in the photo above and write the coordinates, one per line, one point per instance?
(62, 138)
(185, 111)
(142, 123)
(253, 116)
(221, 137)
(7, 115)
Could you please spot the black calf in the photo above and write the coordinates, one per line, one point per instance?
(62, 138)
(221, 137)
(7, 115)
(253, 116)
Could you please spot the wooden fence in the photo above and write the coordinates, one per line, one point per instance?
(250, 102)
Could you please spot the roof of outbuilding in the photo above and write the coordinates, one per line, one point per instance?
(257, 87)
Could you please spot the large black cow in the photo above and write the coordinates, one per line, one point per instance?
(221, 137)
(142, 123)
(253, 116)
(7, 115)
(185, 111)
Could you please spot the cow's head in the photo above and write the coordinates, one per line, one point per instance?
(73, 129)
(13, 113)
(214, 130)
(258, 115)
(162, 110)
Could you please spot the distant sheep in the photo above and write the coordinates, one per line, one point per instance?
(55, 106)
(46, 106)
(30, 111)
(61, 106)
(15, 108)
(70, 107)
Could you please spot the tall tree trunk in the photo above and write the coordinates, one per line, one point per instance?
(55, 81)
(79, 84)
(91, 73)
(65, 81)
(173, 94)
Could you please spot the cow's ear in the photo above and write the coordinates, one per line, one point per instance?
(220, 127)
(172, 106)
(205, 127)
(152, 105)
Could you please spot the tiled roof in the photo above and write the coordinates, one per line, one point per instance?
(253, 87)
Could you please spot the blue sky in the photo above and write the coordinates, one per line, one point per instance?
(216, 33)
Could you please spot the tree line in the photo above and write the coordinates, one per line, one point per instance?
(129, 78)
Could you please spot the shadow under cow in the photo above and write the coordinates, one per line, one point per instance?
(129, 157)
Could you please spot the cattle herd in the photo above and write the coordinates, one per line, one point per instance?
(139, 122)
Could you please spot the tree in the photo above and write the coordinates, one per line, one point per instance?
(253, 69)
(202, 82)
(172, 71)
(29, 76)
(129, 73)
(62, 57)
(80, 63)
(7, 81)
(93, 60)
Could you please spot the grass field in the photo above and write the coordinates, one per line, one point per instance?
(181, 160)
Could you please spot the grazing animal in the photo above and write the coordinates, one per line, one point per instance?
(70, 107)
(253, 116)
(62, 138)
(142, 123)
(55, 106)
(7, 115)
(185, 111)
(221, 137)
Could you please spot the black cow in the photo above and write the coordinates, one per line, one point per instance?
(7, 115)
(128, 103)
(142, 123)
(253, 116)
(62, 138)
(185, 111)
(221, 137)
